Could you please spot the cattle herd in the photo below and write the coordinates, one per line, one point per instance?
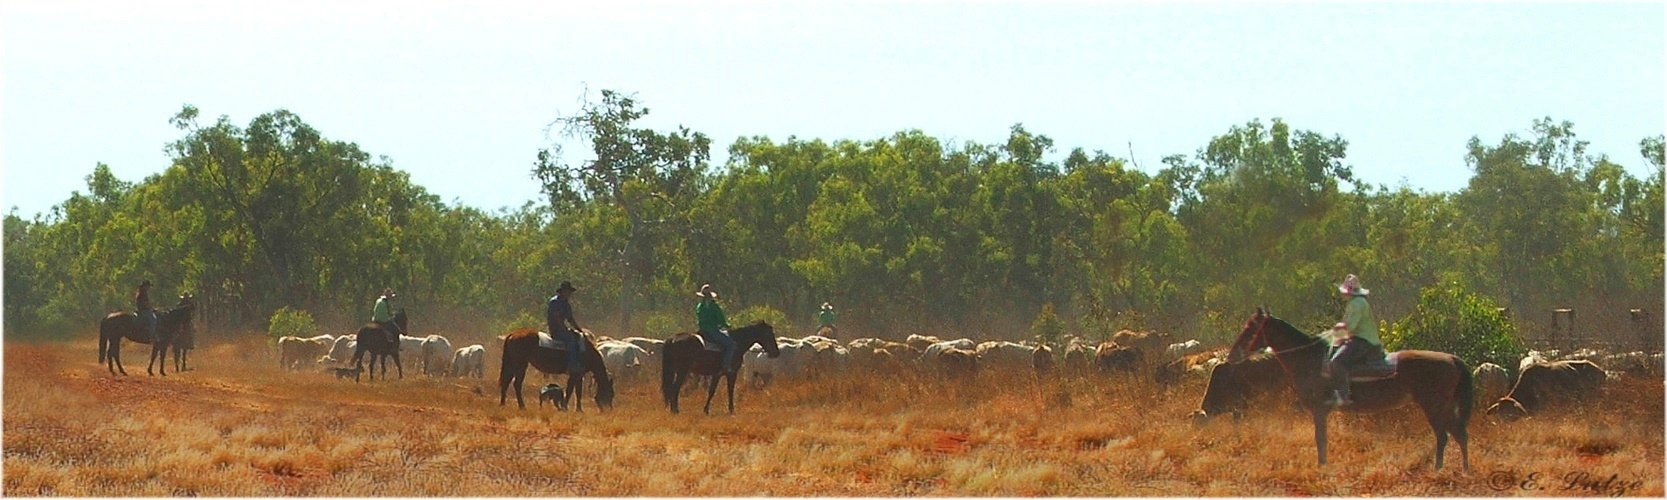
(1543, 380)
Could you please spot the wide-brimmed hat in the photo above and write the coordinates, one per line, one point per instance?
(389, 293)
(144, 283)
(827, 307)
(1351, 286)
(706, 291)
(566, 286)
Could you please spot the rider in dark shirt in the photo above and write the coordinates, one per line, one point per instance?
(558, 313)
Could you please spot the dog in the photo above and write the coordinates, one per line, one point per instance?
(554, 394)
(342, 373)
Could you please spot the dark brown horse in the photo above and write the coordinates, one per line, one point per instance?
(1437, 381)
(185, 340)
(521, 349)
(684, 354)
(122, 324)
(381, 344)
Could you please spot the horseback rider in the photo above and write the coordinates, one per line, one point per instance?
(382, 315)
(825, 320)
(146, 312)
(1355, 338)
(713, 326)
(558, 313)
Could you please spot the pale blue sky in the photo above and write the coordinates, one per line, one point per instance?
(459, 93)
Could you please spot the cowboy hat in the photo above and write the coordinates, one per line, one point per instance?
(827, 307)
(389, 293)
(1351, 286)
(706, 291)
(566, 286)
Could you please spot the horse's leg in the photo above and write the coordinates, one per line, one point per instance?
(575, 393)
(396, 366)
(506, 374)
(116, 355)
(731, 377)
(1441, 419)
(711, 390)
(1319, 432)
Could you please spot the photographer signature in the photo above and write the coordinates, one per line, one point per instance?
(1571, 482)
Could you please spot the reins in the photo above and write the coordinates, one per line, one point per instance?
(1277, 353)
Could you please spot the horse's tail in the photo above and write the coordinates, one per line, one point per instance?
(668, 377)
(1466, 392)
(103, 338)
(506, 374)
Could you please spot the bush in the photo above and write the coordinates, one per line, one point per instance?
(291, 322)
(662, 324)
(521, 321)
(750, 315)
(1047, 328)
(1450, 319)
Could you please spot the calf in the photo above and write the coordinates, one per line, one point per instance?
(1543, 385)
(1111, 357)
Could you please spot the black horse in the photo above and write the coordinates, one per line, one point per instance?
(185, 340)
(684, 354)
(122, 324)
(381, 344)
(521, 349)
(1439, 382)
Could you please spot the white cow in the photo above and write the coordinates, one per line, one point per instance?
(623, 359)
(341, 350)
(436, 355)
(469, 360)
(294, 350)
(1491, 382)
(1179, 349)
(652, 346)
(932, 351)
(1004, 353)
(795, 358)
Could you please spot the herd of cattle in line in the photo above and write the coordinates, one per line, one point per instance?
(1541, 380)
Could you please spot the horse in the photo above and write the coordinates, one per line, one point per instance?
(1438, 382)
(521, 348)
(185, 340)
(381, 343)
(685, 354)
(122, 324)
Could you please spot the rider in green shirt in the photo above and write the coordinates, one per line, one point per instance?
(1357, 336)
(382, 314)
(713, 326)
(825, 320)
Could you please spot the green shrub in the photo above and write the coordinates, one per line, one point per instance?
(291, 322)
(521, 321)
(661, 324)
(750, 315)
(1047, 328)
(1450, 319)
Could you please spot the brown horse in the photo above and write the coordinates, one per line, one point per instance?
(122, 324)
(521, 349)
(684, 354)
(381, 344)
(1439, 382)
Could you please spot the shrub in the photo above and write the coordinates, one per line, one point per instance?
(777, 319)
(1450, 319)
(521, 321)
(1047, 328)
(663, 324)
(291, 322)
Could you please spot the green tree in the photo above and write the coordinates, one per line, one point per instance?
(648, 176)
(1450, 319)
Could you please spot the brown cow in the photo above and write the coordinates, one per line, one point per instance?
(1079, 356)
(1169, 373)
(956, 362)
(1041, 360)
(1232, 386)
(1543, 385)
(1150, 343)
(1111, 357)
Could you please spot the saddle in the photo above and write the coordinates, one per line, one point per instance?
(548, 341)
(704, 345)
(1377, 369)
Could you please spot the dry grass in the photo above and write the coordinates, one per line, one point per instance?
(237, 426)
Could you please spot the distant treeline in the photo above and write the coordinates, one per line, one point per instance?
(902, 234)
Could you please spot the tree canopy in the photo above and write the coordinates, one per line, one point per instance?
(905, 233)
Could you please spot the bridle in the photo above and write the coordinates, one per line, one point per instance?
(1277, 353)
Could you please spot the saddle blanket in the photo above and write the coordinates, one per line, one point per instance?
(1376, 371)
(547, 341)
(704, 345)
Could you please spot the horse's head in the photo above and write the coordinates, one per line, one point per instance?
(604, 393)
(399, 319)
(765, 336)
(1252, 337)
